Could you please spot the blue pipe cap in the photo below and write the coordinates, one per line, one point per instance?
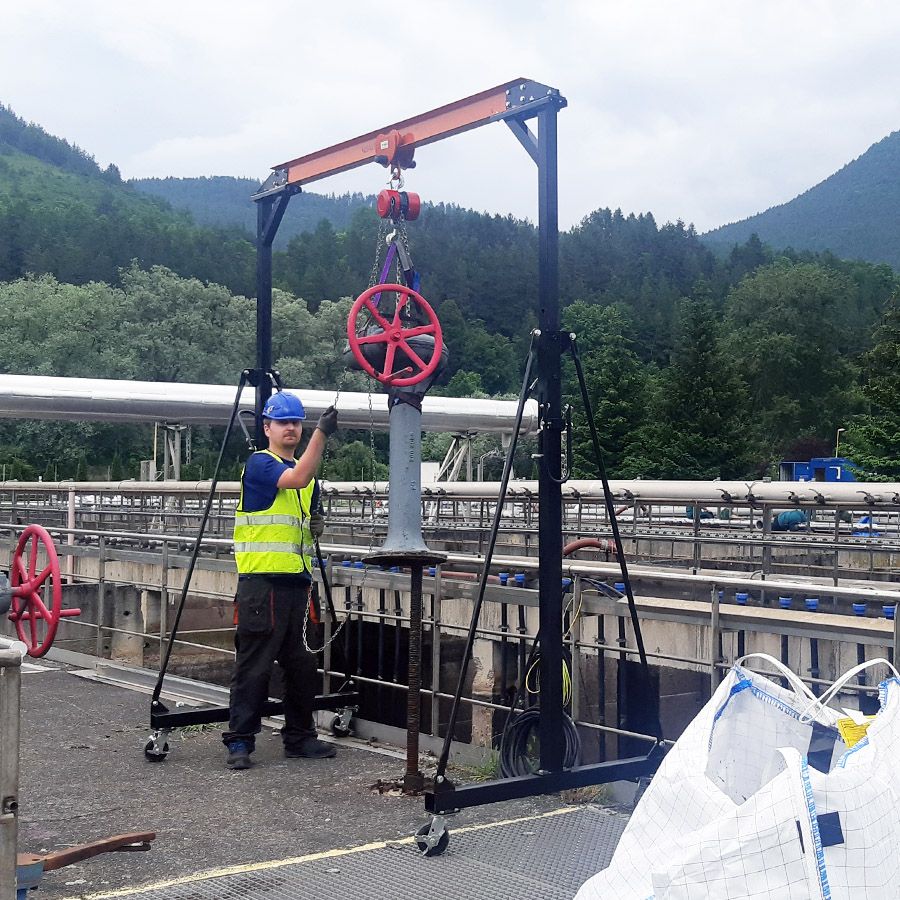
(859, 609)
(520, 579)
(785, 602)
(812, 603)
(742, 598)
(346, 563)
(889, 611)
(566, 585)
(359, 564)
(432, 570)
(619, 586)
(504, 577)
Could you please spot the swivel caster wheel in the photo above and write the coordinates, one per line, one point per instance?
(341, 723)
(157, 747)
(432, 839)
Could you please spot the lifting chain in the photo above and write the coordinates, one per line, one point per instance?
(381, 241)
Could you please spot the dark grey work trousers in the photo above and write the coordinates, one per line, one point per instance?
(269, 616)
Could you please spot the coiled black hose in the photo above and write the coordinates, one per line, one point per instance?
(522, 725)
(514, 756)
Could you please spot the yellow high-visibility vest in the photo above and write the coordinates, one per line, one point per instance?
(276, 540)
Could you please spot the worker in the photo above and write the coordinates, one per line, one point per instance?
(275, 526)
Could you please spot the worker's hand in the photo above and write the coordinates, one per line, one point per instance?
(328, 422)
(317, 524)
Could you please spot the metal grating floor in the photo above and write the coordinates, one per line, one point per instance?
(542, 858)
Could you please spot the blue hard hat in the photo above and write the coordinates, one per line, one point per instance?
(282, 406)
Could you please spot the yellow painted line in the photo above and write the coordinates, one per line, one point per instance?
(310, 857)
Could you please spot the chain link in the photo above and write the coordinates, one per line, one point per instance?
(306, 620)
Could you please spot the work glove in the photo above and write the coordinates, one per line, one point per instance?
(317, 525)
(328, 422)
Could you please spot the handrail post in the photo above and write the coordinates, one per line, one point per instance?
(101, 594)
(10, 694)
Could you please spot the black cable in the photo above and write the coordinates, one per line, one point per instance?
(522, 725)
(157, 690)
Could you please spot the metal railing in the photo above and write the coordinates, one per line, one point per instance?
(376, 603)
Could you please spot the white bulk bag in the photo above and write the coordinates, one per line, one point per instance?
(760, 799)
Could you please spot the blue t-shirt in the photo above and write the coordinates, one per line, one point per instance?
(261, 474)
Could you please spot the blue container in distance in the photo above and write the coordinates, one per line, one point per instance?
(785, 602)
(812, 603)
(520, 579)
(358, 564)
(889, 611)
(741, 598)
(859, 609)
(721, 595)
(432, 570)
(504, 577)
(566, 585)
(346, 563)
(619, 586)
(397, 569)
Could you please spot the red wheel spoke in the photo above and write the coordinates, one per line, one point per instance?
(413, 355)
(40, 579)
(419, 329)
(37, 609)
(32, 562)
(20, 568)
(397, 323)
(389, 358)
(32, 627)
(379, 318)
(380, 338)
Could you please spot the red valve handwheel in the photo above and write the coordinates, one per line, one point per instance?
(27, 586)
(395, 336)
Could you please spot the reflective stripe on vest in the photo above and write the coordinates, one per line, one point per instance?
(276, 540)
(267, 520)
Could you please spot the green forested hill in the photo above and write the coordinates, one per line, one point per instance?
(223, 201)
(59, 213)
(854, 213)
(699, 364)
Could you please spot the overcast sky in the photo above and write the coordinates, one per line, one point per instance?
(702, 110)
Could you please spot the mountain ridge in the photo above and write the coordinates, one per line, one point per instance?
(218, 200)
(854, 213)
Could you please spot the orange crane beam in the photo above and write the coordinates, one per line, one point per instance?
(395, 144)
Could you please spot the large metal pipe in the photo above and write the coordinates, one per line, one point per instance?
(786, 494)
(106, 400)
(710, 493)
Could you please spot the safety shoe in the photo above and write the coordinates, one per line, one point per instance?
(311, 748)
(238, 755)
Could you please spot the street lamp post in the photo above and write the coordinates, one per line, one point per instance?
(837, 441)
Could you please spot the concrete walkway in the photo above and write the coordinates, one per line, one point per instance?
(285, 828)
